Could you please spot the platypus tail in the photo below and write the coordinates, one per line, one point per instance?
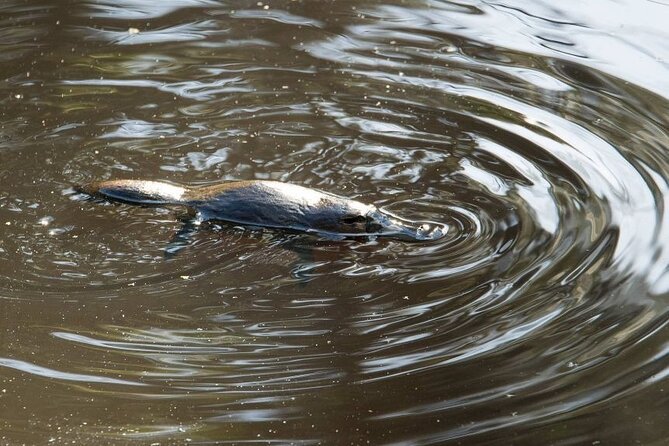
(136, 191)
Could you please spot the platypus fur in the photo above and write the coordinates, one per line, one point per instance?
(270, 204)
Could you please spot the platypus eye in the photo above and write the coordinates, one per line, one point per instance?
(353, 219)
(373, 227)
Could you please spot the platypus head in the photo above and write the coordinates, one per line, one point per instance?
(367, 220)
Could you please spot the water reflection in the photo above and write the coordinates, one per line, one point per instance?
(536, 132)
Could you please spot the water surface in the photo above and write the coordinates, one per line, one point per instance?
(537, 133)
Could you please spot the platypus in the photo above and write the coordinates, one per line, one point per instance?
(270, 204)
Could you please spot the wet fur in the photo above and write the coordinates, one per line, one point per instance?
(270, 204)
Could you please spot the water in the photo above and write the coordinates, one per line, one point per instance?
(537, 133)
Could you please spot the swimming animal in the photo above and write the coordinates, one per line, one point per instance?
(270, 204)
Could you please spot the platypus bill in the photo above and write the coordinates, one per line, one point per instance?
(269, 204)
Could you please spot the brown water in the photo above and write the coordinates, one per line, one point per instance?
(538, 133)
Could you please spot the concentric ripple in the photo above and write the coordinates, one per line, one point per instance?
(539, 318)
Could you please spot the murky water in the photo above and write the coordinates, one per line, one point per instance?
(538, 133)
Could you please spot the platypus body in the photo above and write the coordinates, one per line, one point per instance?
(270, 204)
